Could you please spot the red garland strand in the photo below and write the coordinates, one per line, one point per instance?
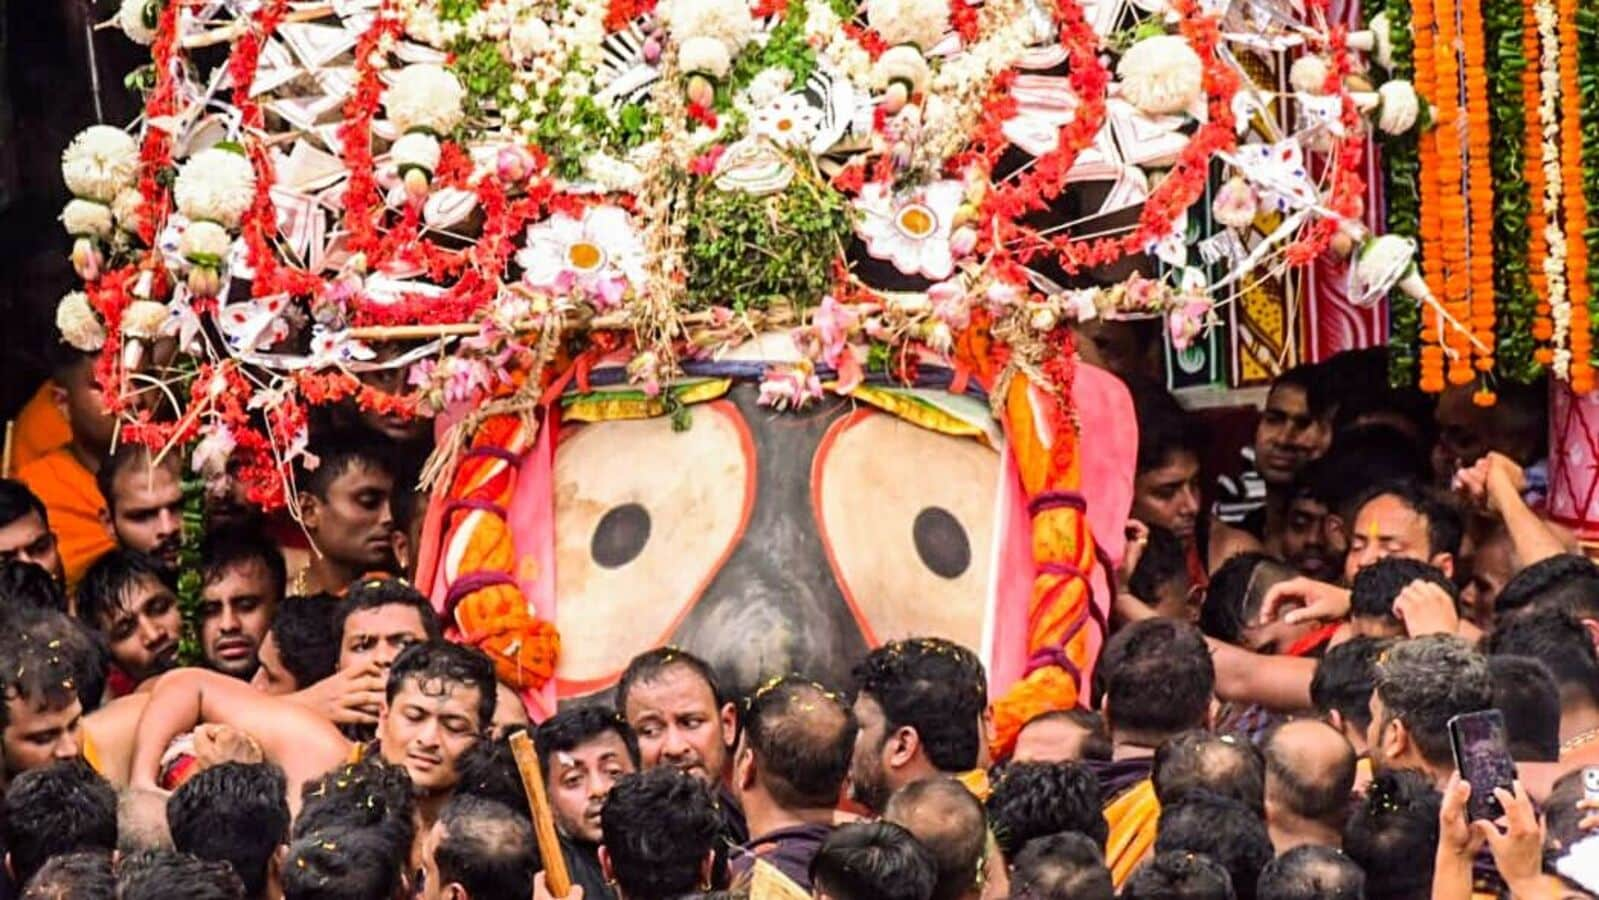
(1348, 185)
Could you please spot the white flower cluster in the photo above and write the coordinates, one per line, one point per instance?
(79, 326)
(1400, 107)
(215, 184)
(550, 57)
(1161, 75)
(1554, 264)
(143, 319)
(824, 31)
(727, 21)
(205, 243)
(957, 91)
(131, 19)
(87, 218)
(425, 97)
(920, 23)
(99, 163)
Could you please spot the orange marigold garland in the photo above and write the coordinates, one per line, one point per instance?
(1575, 206)
(1432, 353)
(1480, 192)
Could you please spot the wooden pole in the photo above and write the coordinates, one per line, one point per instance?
(5, 455)
(556, 877)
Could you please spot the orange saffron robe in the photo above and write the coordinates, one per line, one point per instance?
(38, 429)
(74, 503)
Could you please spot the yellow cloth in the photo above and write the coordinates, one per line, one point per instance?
(38, 429)
(976, 781)
(92, 755)
(75, 506)
(1133, 818)
(767, 882)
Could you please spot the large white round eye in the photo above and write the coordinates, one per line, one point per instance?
(644, 518)
(907, 516)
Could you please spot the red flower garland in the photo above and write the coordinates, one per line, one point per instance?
(1348, 185)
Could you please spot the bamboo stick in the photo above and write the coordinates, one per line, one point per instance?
(556, 877)
(5, 455)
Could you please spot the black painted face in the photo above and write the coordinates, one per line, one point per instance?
(767, 542)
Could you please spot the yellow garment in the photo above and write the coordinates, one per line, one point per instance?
(767, 882)
(75, 506)
(92, 755)
(1133, 818)
(39, 428)
(976, 781)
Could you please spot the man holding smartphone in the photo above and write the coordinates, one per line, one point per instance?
(1421, 684)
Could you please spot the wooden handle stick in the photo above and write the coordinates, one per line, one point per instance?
(556, 877)
(5, 455)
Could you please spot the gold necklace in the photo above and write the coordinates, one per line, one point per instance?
(1578, 740)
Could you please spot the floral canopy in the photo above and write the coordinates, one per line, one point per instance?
(499, 195)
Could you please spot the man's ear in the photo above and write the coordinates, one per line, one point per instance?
(11, 871)
(310, 512)
(744, 768)
(58, 399)
(1336, 720)
(1395, 740)
(606, 869)
(729, 726)
(106, 523)
(903, 745)
(1592, 627)
(707, 866)
(1445, 563)
(1212, 712)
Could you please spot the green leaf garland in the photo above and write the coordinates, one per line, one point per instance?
(1401, 167)
(1515, 300)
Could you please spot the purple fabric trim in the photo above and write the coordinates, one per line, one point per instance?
(1061, 568)
(475, 581)
(499, 453)
(471, 503)
(1049, 500)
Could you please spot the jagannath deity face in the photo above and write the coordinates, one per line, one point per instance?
(768, 543)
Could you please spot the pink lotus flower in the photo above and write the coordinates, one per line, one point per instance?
(1187, 319)
(790, 387)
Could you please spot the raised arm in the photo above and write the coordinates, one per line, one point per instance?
(1279, 683)
(296, 739)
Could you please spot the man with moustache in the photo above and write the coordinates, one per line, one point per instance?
(242, 583)
(25, 533)
(144, 501)
(131, 598)
(674, 703)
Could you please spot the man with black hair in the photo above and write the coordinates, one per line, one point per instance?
(235, 813)
(1161, 578)
(1033, 800)
(344, 507)
(132, 600)
(41, 719)
(1567, 583)
(1310, 774)
(27, 587)
(85, 875)
(675, 704)
(1421, 684)
(1526, 695)
(63, 479)
(789, 772)
(376, 620)
(1230, 611)
(1312, 872)
(478, 850)
(300, 647)
(1179, 876)
(370, 795)
(872, 861)
(1308, 539)
(1221, 828)
(488, 770)
(1063, 735)
(1376, 588)
(1166, 487)
(1341, 688)
(25, 533)
(1393, 835)
(944, 816)
(164, 875)
(660, 830)
(583, 750)
(61, 808)
(1158, 681)
(344, 862)
(144, 501)
(242, 580)
(1404, 519)
(920, 704)
(1223, 764)
(1065, 866)
(1560, 642)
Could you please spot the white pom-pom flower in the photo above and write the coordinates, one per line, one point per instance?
(426, 97)
(1236, 204)
(1384, 263)
(205, 243)
(1161, 75)
(99, 162)
(901, 63)
(215, 184)
(922, 23)
(79, 326)
(728, 21)
(416, 150)
(1308, 75)
(529, 37)
(86, 218)
(132, 18)
(1382, 30)
(705, 56)
(128, 208)
(1400, 107)
(143, 319)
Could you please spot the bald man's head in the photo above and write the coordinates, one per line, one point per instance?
(947, 820)
(1310, 771)
(797, 743)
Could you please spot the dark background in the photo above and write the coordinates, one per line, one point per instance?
(46, 96)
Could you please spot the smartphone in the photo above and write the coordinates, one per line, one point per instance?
(1482, 754)
(1590, 783)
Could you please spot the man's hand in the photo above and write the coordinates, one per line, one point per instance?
(1317, 601)
(1457, 840)
(352, 696)
(1137, 541)
(1426, 608)
(1493, 483)
(218, 744)
(541, 891)
(1516, 840)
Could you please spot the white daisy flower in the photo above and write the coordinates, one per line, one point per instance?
(600, 255)
(912, 230)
